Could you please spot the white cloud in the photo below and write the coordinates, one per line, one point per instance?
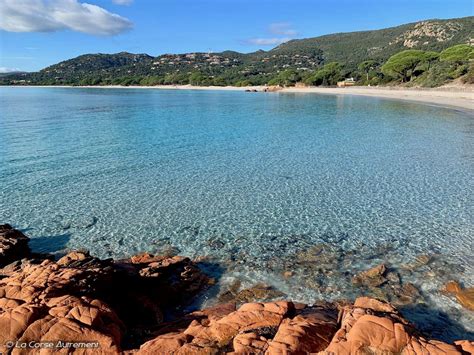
(282, 28)
(267, 41)
(4, 70)
(122, 2)
(56, 15)
(281, 32)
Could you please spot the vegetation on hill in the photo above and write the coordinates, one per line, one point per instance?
(428, 53)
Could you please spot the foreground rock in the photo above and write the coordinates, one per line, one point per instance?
(13, 245)
(368, 326)
(371, 326)
(274, 327)
(134, 306)
(82, 298)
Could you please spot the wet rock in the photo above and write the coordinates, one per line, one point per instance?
(144, 258)
(320, 254)
(373, 277)
(13, 245)
(258, 292)
(384, 294)
(465, 296)
(421, 261)
(429, 274)
(393, 277)
(72, 257)
(406, 294)
(230, 293)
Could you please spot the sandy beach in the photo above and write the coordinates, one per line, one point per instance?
(451, 97)
(454, 97)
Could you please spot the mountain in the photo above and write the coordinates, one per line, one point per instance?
(355, 47)
(2, 75)
(233, 68)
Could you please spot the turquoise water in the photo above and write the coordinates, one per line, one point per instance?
(243, 178)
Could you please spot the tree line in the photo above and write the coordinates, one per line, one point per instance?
(409, 68)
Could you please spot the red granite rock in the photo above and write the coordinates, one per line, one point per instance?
(13, 245)
(121, 307)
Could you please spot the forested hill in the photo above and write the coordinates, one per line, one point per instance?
(329, 58)
(355, 47)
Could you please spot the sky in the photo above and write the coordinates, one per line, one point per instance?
(38, 33)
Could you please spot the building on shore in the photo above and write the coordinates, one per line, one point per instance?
(346, 82)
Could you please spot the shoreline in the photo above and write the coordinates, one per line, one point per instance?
(451, 97)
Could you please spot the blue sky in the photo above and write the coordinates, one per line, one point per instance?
(38, 33)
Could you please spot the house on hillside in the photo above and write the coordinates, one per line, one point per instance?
(346, 82)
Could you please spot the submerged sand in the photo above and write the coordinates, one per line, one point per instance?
(456, 97)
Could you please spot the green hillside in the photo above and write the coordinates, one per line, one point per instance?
(311, 60)
(355, 47)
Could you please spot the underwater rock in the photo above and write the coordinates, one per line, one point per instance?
(406, 294)
(230, 293)
(419, 262)
(465, 296)
(216, 243)
(322, 254)
(424, 259)
(393, 277)
(258, 292)
(372, 278)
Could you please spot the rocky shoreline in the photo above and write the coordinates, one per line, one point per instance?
(137, 305)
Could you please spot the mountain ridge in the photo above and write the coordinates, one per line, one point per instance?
(255, 68)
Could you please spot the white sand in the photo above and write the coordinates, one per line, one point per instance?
(459, 97)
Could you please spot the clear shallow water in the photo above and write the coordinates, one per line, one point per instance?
(248, 179)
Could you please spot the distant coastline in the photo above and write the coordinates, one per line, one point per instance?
(460, 97)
